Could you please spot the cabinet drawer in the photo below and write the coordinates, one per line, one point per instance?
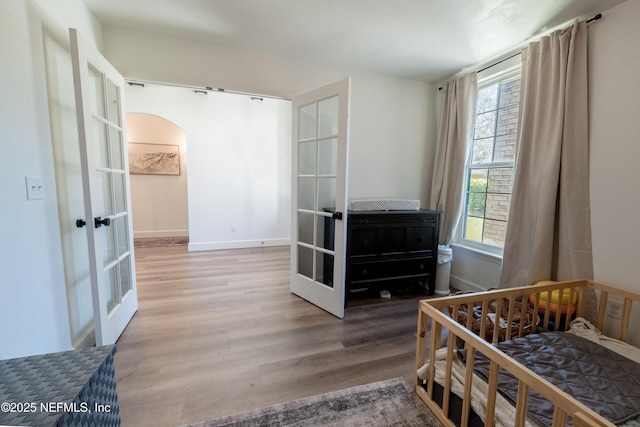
(381, 240)
(396, 268)
(364, 241)
(391, 240)
(397, 219)
(422, 239)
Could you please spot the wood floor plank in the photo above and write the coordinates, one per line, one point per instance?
(219, 332)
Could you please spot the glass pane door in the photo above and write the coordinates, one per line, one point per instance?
(99, 90)
(317, 166)
(320, 139)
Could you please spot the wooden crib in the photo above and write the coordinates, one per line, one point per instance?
(476, 322)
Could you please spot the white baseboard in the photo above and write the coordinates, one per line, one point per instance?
(160, 233)
(476, 253)
(465, 285)
(237, 244)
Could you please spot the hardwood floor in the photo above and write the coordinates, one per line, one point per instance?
(219, 332)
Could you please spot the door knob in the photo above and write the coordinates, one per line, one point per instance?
(80, 223)
(98, 222)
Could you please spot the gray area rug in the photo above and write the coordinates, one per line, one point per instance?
(385, 403)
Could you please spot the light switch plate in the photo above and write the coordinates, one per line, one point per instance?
(35, 188)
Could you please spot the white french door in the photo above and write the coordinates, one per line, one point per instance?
(99, 90)
(319, 195)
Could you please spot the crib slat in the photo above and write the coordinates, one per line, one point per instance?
(626, 317)
(468, 382)
(521, 403)
(447, 378)
(536, 313)
(470, 313)
(547, 312)
(571, 309)
(602, 309)
(559, 311)
(491, 393)
(510, 314)
(559, 417)
(436, 329)
(524, 307)
(496, 321)
(545, 315)
(483, 319)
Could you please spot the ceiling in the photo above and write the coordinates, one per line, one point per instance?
(419, 39)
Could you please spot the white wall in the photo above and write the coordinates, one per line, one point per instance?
(614, 114)
(239, 163)
(159, 203)
(393, 133)
(33, 306)
(73, 14)
(392, 119)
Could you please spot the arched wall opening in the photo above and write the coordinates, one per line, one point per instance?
(159, 201)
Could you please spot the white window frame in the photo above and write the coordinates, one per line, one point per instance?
(506, 72)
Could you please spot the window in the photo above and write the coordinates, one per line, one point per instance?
(489, 171)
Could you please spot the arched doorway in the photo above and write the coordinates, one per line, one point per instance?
(159, 198)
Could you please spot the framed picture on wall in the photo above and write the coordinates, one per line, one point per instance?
(154, 159)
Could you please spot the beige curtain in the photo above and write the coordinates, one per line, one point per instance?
(458, 109)
(549, 230)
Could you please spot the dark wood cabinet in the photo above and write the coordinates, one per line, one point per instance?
(389, 248)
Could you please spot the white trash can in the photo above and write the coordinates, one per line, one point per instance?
(443, 272)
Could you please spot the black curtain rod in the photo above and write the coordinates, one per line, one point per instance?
(499, 62)
(494, 64)
(595, 18)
